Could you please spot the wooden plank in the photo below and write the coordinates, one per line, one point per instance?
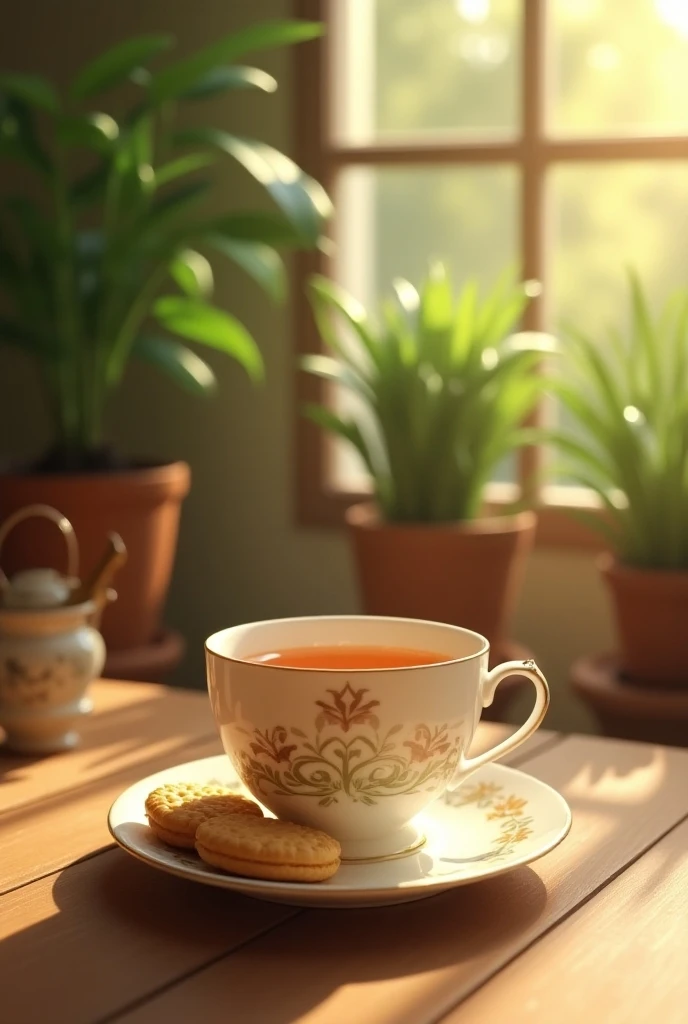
(46, 835)
(413, 963)
(623, 953)
(129, 723)
(102, 934)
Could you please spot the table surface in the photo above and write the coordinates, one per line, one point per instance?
(88, 934)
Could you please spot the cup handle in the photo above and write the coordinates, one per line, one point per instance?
(467, 765)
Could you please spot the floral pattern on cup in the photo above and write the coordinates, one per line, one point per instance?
(348, 756)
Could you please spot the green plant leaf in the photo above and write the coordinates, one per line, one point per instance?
(138, 140)
(255, 226)
(115, 65)
(601, 376)
(465, 321)
(167, 207)
(436, 301)
(348, 430)
(436, 320)
(177, 79)
(327, 298)
(182, 166)
(304, 202)
(596, 524)
(235, 76)
(32, 89)
(193, 273)
(644, 337)
(176, 360)
(97, 131)
(577, 451)
(332, 370)
(208, 325)
(260, 261)
(131, 184)
(407, 296)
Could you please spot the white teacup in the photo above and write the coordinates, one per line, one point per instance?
(357, 753)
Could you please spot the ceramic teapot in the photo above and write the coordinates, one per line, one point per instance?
(50, 648)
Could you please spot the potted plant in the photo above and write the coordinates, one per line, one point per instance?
(106, 257)
(443, 387)
(626, 396)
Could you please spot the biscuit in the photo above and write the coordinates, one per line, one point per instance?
(175, 810)
(279, 851)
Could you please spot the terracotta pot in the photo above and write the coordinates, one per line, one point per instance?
(142, 505)
(651, 609)
(467, 574)
(649, 714)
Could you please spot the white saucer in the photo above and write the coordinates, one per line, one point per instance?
(499, 819)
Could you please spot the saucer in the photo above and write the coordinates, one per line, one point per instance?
(498, 820)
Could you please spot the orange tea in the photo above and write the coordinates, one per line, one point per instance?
(350, 656)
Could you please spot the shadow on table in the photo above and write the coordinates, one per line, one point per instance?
(316, 952)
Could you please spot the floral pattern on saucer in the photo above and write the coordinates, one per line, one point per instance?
(515, 826)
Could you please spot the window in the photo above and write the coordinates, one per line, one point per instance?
(552, 132)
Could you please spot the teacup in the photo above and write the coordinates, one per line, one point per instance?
(358, 754)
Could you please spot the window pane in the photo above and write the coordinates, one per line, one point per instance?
(392, 221)
(618, 67)
(604, 218)
(405, 67)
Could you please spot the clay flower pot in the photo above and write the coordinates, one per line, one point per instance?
(466, 574)
(651, 609)
(142, 505)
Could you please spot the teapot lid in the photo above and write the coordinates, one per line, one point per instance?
(36, 588)
(39, 588)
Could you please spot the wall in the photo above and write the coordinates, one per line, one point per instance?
(241, 556)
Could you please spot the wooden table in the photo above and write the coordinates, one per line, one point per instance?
(597, 930)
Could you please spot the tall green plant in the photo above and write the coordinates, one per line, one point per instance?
(442, 387)
(111, 231)
(627, 396)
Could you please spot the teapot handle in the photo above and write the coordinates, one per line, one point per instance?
(64, 525)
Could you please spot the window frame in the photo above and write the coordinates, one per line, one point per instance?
(533, 153)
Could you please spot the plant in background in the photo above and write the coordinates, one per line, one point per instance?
(111, 232)
(442, 385)
(628, 400)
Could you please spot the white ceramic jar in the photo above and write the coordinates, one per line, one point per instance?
(49, 652)
(48, 657)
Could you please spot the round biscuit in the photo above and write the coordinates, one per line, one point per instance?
(175, 810)
(268, 848)
(180, 839)
(270, 872)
